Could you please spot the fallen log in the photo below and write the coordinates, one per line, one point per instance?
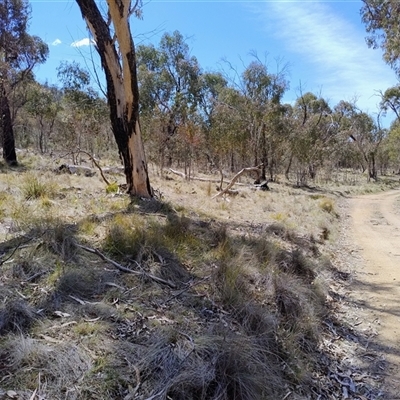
(236, 177)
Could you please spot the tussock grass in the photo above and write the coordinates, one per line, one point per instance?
(216, 367)
(112, 188)
(33, 188)
(128, 234)
(236, 312)
(295, 263)
(81, 283)
(56, 367)
(230, 281)
(327, 205)
(16, 316)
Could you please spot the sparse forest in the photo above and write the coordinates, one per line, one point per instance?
(203, 121)
(175, 284)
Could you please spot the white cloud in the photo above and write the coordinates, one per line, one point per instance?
(334, 48)
(83, 42)
(56, 42)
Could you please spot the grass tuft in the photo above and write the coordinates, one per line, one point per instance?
(16, 316)
(326, 204)
(215, 367)
(112, 188)
(33, 188)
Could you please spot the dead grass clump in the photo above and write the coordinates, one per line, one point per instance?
(61, 239)
(258, 321)
(296, 263)
(209, 367)
(55, 235)
(28, 271)
(81, 283)
(265, 251)
(326, 204)
(300, 310)
(295, 298)
(133, 237)
(16, 316)
(56, 368)
(151, 206)
(300, 307)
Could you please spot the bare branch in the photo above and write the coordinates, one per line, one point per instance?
(125, 269)
(236, 177)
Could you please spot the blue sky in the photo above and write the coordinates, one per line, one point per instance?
(322, 42)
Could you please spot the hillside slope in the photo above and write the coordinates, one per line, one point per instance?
(183, 297)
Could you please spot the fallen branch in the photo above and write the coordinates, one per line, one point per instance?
(97, 165)
(236, 177)
(125, 269)
(72, 168)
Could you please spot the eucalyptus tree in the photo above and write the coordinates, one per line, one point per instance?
(364, 132)
(114, 43)
(393, 145)
(313, 135)
(261, 111)
(390, 100)
(263, 91)
(213, 87)
(43, 104)
(19, 54)
(382, 24)
(170, 89)
(84, 113)
(227, 138)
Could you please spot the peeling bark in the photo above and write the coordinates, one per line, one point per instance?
(122, 88)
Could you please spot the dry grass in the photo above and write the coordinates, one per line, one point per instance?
(227, 299)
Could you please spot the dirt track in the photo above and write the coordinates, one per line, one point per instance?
(375, 221)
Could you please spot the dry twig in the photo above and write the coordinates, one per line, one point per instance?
(125, 269)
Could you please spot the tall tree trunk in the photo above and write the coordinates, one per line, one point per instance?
(9, 153)
(122, 88)
(372, 166)
(287, 171)
(264, 156)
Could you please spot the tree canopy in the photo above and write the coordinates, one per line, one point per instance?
(19, 53)
(382, 23)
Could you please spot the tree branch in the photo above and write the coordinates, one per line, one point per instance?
(125, 269)
(236, 177)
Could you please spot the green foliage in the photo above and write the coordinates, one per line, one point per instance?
(19, 53)
(125, 236)
(393, 145)
(33, 188)
(381, 20)
(112, 188)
